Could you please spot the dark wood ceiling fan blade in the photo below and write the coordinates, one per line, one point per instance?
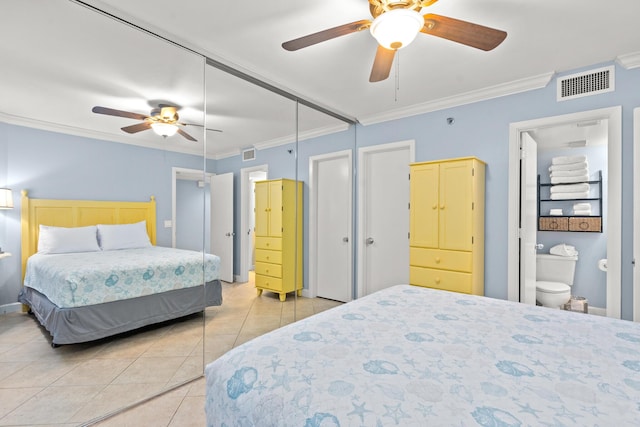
(325, 35)
(118, 113)
(382, 64)
(463, 32)
(137, 127)
(186, 135)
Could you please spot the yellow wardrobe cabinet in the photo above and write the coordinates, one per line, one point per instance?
(447, 225)
(278, 232)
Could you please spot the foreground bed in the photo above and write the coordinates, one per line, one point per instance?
(409, 356)
(81, 290)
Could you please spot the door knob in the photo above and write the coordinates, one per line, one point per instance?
(539, 246)
(369, 241)
(345, 239)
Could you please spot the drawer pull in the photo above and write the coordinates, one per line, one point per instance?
(267, 256)
(437, 280)
(437, 260)
(267, 271)
(267, 244)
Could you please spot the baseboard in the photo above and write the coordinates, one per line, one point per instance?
(597, 311)
(14, 307)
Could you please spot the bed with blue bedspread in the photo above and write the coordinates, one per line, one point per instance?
(92, 269)
(85, 296)
(410, 356)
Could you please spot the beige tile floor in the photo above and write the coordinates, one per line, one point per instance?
(72, 385)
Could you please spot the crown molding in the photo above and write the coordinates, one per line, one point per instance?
(302, 136)
(629, 60)
(505, 89)
(94, 134)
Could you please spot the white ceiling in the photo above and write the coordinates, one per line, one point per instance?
(59, 59)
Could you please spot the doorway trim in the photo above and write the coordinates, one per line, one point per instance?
(361, 169)
(245, 205)
(636, 213)
(614, 207)
(313, 215)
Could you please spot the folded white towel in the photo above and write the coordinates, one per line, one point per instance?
(569, 196)
(569, 179)
(586, 212)
(581, 206)
(563, 250)
(570, 188)
(555, 212)
(576, 172)
(563, 160)
(568, 167)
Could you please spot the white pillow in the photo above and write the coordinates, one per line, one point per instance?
(123, 236)
(61, 240)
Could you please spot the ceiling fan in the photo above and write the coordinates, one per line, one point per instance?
(396, 23)
(163, 120)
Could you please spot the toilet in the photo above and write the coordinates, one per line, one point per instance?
(554, 278)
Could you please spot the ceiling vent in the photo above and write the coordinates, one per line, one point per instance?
(587, 83)
(248, 154)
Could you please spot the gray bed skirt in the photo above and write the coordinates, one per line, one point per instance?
(82, 324)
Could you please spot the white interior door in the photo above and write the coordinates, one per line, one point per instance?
(222, 223)
(333, 201)
(528, 218)
(384, 215)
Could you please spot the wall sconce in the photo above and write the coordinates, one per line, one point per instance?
(6, 198)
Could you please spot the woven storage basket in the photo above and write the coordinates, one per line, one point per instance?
(554, 224)
(593, 224)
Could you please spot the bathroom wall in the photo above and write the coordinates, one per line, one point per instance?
(589, 282)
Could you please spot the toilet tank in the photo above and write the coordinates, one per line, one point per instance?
(555, 268)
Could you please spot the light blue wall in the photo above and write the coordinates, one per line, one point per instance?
(37, 160)
(589, 281)
(58, 166)
(193, 219)
(480, 129)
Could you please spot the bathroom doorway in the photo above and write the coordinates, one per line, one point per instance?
(518, 225)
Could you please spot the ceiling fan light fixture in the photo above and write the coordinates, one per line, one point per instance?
(164, 129)
(397, 28)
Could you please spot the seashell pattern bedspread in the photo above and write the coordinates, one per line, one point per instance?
(410, 356)
(86, 278)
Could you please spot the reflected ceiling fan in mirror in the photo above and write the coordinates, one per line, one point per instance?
(162, 120)
(396, 24)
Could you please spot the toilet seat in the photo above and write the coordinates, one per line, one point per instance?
(552, 287)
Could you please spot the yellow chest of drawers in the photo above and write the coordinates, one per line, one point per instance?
(278, 229)
(447, 225)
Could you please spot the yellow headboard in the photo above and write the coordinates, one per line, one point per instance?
(79, 213)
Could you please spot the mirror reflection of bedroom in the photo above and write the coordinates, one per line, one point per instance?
(184, 242)
(83, 193)
(115, 313)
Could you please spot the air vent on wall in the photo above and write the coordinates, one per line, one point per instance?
(248, 154)
(587, 83)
